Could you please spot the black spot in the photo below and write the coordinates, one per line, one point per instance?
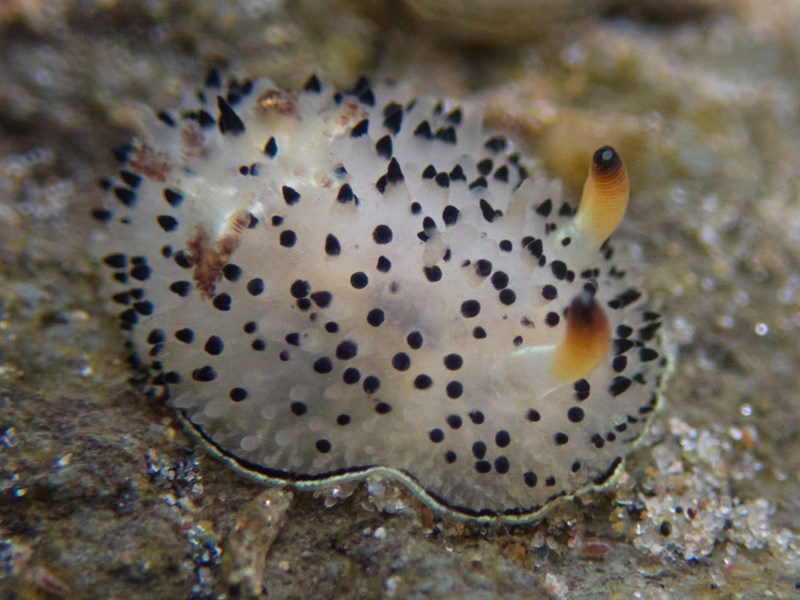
(298, 408)
(530, 479)
(167, 222)
(382, 408)
(343, 419)
(499, 280)
(375, 317)
(271, 148)
(480, 182)
(401, 361)
(454, 421)
(485, 166)
(559, 269)
(229, 121)
(222, 302)
(545, 208)
(549, 292)
(382, 234)
(204, 374)
(126, 196)
(476, 417)
(453, 362)
(647, 354)
(479, 449)
(423, 130)
(533, 415)
(622, 346)
(277, 220)
(359, 280)
(576, 466)
(429, 172)
(645, 333)
(323, 365)
(619, 363)
(393, 117)
(323, 446)
(575, 414)
(322, 299)
(483, 466)
(156, 336)
(237, 394)
(454, 389)
(454, 116)
(501, 174)
(284, 355)
(436, 435)
(414, 340)
(550, 481)
(332, 246)
(479, 333)
(290, 196)
(185, 335)
(351, 376)
(582, 389)
(172, 377)
(255, 286)
(371, 384)
(346, 350)
(214, 345)
(360, 128)
(502, 438)
(446, 135)
(624, 331)
(313, 84)
(102, 215)
(496, 144)
(443, 180)
(665, 528)
(624, 299)
(560, 438)
(213, 79)
(598, 441)
(507, 296)
(299, 289)
(501, 465)
(258, 345)
(394, 174)
(619, 385)
(384, 264)
(331, 327)
(144, 307)
(250, 327)
(293, 339)
(181, 288)
(423, 382)
(122, 298)
(141, 272)
(345, 194)
(450, 457)
(450, 215)
(288, 238)
(483, 267)
(470, 308)
(488, 212)
(506, 246)
(432, 274)
(552, 319)
(384, 147)
(416, 208)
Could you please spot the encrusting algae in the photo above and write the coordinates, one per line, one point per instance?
(330, 285)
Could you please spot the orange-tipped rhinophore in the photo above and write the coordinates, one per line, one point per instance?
(586, 341)
(605, 196)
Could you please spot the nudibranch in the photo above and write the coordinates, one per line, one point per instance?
(329, 285)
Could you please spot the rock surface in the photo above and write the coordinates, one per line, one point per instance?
(102, 495)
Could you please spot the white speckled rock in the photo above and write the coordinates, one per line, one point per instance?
(334, 284)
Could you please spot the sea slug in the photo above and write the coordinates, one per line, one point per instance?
(330, 284)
